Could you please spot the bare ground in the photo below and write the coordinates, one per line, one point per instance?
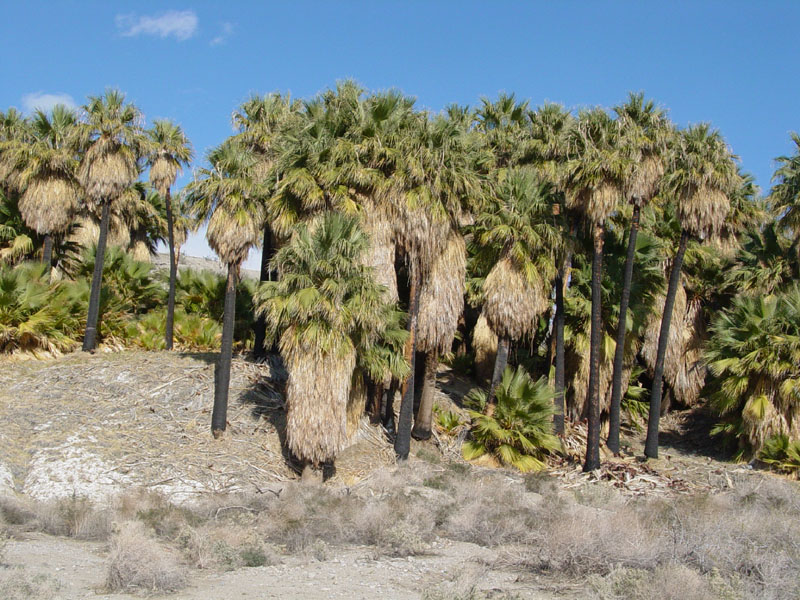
(94, 426)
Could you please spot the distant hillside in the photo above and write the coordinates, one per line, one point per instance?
(161, 261)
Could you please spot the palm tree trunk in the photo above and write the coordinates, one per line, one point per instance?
(593, 402)
(90, 336)
(222, 373)
(500, 362)
(402, 443)
(173, 274)
(651, 444)
(388, 409)
(260, 329)
(558, 418)
(619, 352)
(424, 420)
(47, 250)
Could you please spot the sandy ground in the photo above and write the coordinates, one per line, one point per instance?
(77, 570)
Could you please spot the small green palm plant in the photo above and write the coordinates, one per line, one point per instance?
(782, 454)
(448, 421)
(35, 315)
(517, 432)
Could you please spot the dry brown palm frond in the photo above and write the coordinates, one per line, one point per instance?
(316, 397)
(511, 303)
(605, 199)
(140, 251)
(578, 366)
(48, 205)
(688, 375)
(163, 172)
(105, 173)
(356, 403)
(232, 234)
(675, 344)
(702, 211)
(380, 256)
(484, 342)
(420, 234)
(644, 182)
(442, 297)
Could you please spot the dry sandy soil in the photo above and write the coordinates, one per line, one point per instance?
(95, 426)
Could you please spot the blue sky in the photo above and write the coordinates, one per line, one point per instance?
(735, 64)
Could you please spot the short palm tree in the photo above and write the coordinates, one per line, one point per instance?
(517, 433)
(48, 178)
(331, 320)
(645, 131)
(701, 176)
(754, 351)
(517, 240)
(168, 151)
(112, 137)
(228, 197)
(594, 188)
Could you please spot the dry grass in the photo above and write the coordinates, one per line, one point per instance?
(16, 584)
(138, 561)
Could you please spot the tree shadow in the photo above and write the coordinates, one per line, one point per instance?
(689, 432)
(266, 399)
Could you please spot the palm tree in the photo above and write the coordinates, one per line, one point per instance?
(785, 194)
(516, 238)
(229, 198)
(112, 137)
(441, 303)
(753, 352)
(436, 186)
(331, 320)
(702, 175)
(644, 130)
(48, 175)
(551, 127)
(264, 124)
(594, 188)
(169, 150)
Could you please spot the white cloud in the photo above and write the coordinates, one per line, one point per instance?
(182, 24)
(227, 31)
(46, 102)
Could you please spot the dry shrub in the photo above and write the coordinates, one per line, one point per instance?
(15, 584)
(137, 560)
(15, 511)
(488, 511)
(670, 582)
(74, 517)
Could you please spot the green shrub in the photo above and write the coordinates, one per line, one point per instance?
(517, 433)
(782, 454)
(35, 315)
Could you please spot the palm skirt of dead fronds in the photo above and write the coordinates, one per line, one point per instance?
(511, 304)
(442, 298)
(317, 395)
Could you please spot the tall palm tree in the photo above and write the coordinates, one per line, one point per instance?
(594, 188)
(331, 319)
(518, 241)
(49, 163)
(701, 177)
(229, 197)
(644, 137)
(785, 194)
(112, 137)
(551, 127)
(435, 187)
(264, 123)
(168, 151)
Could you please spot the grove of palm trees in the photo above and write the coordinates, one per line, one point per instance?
(514, 290)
